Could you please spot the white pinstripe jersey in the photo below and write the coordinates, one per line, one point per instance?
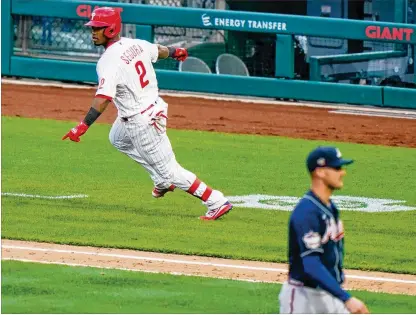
(126, 75)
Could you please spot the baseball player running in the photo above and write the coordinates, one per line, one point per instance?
(316, 247)
(127, 78)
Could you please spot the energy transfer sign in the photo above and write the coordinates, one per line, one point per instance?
(287, 203)
(260, 25)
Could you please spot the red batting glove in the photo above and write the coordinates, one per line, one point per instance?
(76, 132)
(180, 54)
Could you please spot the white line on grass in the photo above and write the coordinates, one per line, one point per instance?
(42, 197)
(175, 261)
(173, 273)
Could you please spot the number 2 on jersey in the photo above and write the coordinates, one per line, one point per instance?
(141, 71)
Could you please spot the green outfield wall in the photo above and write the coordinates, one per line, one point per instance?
(285, 26)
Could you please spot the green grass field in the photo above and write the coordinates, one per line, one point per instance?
(37, 288)
(120, 211)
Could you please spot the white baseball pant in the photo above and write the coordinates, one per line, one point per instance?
(149, 146)
(298, 299)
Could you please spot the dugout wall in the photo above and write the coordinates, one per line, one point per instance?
(28, 60)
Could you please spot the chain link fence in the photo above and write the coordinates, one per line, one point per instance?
(53, 37)
(57, 37)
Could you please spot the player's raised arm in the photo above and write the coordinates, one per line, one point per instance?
(179, 54)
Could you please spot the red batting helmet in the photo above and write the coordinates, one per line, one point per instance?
(106, 17)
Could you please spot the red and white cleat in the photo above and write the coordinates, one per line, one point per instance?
(159, 193)
(215, 214)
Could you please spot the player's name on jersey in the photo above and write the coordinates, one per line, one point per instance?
(242, 23)
(287, 203)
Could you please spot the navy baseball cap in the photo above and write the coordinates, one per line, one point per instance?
(325, 157)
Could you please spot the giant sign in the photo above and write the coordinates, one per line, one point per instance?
(85, 10)
(398, 33)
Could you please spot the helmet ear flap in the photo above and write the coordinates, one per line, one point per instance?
(109, 31)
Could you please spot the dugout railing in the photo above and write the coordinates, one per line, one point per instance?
(285, 27)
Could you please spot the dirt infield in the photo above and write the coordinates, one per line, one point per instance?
(190, 265)
(211, 115)
(218, 115)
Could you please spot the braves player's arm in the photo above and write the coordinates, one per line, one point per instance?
(307, 229)
(317, 271)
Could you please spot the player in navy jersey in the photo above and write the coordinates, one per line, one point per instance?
(316, 244)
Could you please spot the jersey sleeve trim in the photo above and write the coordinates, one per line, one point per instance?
(104, 96)
(154, 52)
(316, 250)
